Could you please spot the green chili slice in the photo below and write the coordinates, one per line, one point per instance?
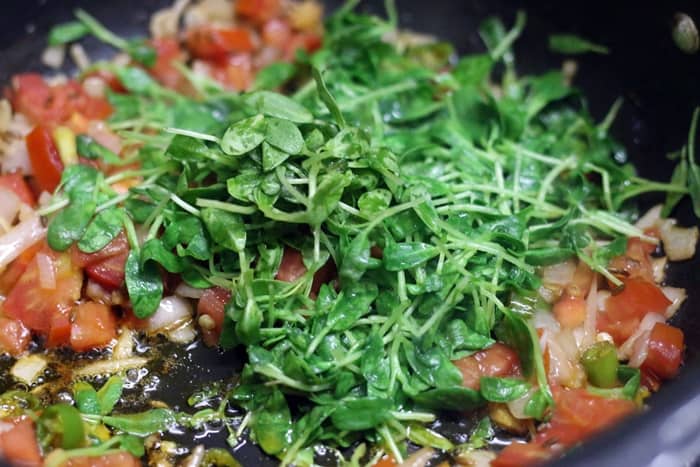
(600, 362)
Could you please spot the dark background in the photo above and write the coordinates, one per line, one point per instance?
(660, 86)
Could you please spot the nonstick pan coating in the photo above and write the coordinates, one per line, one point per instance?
(660, 86)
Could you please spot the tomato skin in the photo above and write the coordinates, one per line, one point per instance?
(106, 266)
(16, 183)
(624, 310)
(14, 336)
(35, 306)
(385, 461)
(589, 413)
(570, 311)
(308, 42)
(213, 303)
(212, 43)
(59, 332)
(521, 455)
(276, 33)
(258, 11)
(44, 157)
(94, 325)
(52, 105)
(665, 351)
(291, 267)
(116, 459)
(19, 445)
(167, 51)
(498, 360)
(14, 271)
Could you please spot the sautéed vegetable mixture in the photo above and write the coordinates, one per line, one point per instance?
(395, 238)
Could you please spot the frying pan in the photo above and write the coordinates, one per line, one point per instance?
(660, 85)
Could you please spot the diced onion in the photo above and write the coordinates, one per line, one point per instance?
(559, 274)
(166, 22)
(171, 313)
(98, 130)
(79, 56)
(187, 291)
(54, 56)
(420, 458)
(124, 348)
(679, 242)
(650, 218)
(27, 369)
(590, 321)
(16, 158)
(677, 296)
(635, 351)
(658, 268)
(183, 334)
(517, 406)
(21, 237)
(5, 115)
(110, 367)
(476, 458)
(9, 207)
(47, 271)
(545, 320)
(94, 86)
(563, 360)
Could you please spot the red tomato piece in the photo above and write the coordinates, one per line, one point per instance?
(308, 42)
(19, 445)
(292, 266)
(276, 33)
(14, 336)
(94, 325)
(588, 412)
(258, 11)
(665, 351)
(212, 43)
(109, 78)
(14, 271)
(212, 303)
(521, 455)
(35, 306)
(385, 461)
(116, 459)
(16, 183)
(51, 105)
(498, 360)
(44, 158)
(624, 310)
(570, 311)
(59, 332)
(106, 266)
(167, 51)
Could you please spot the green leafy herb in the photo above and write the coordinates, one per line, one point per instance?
(572, 44)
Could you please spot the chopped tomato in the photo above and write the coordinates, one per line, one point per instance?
(14, 271)
(589, 413)
(19, 445)
(385, 461)
(235, 73)
(106, 267)
(276, 33)
(34, 305)
(14, 336)
(43, 155)
(570, 311)
(51, 105)
(258, 11)
(308, 42)
(116, 459)
(59, 332)
(665, 351)
(581, 282)
(636, 262)
(292, 266)
(167, 51)
(497, 360)
(212, 304)
(94, 325)
(16, 183)
(211, 43)
(521, 455)
(624, 310)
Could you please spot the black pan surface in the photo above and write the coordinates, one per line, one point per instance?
(660, 86)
